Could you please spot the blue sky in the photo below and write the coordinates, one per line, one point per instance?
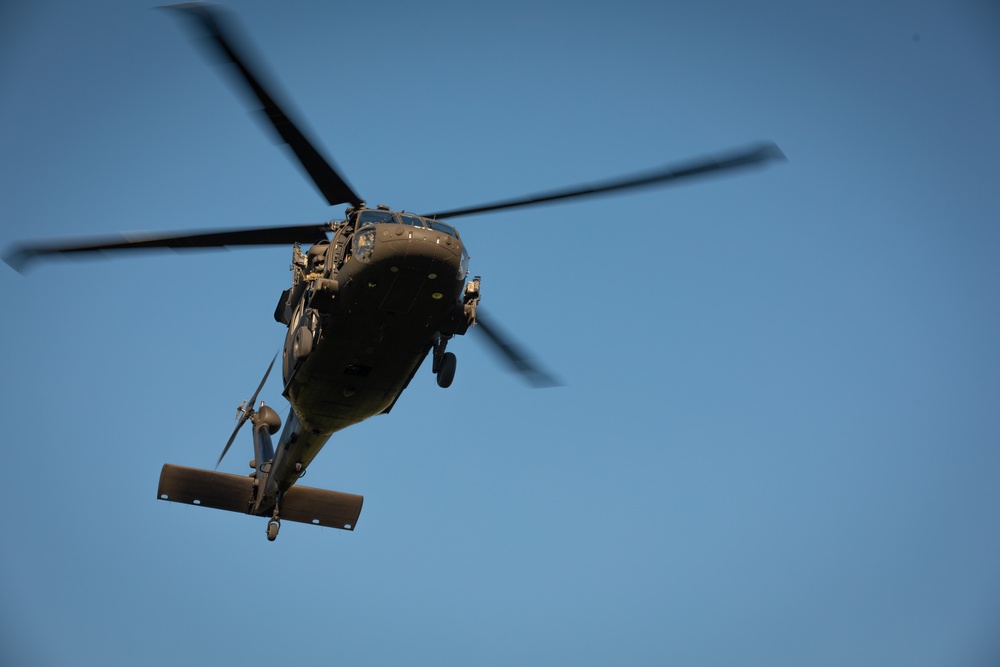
(778, 440)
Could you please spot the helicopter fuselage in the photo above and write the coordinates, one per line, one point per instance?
(363, 312)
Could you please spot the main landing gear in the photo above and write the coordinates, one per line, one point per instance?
(444, 363)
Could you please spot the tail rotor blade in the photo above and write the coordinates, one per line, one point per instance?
(246, 412)
(253, 398)
(239, 425)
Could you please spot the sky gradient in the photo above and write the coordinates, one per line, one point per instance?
(777, 443)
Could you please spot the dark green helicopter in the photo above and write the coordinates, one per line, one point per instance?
(372, 295)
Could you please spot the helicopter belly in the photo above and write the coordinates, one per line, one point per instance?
(386, 316)
(332, 391)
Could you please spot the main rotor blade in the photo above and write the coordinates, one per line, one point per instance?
(659, 177)
(21, 255)
(515, 358)
(246, 412)
(222, 35)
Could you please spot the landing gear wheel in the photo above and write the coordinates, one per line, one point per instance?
(272, 530)
(446, 370)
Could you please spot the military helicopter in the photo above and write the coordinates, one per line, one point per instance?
(372, 295)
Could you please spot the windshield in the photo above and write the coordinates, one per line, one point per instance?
(387, 217)
(374, 217)
(411, 220)
(441, 227)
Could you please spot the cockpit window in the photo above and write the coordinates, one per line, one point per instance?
(366, 218)
(411, 220)
(375, 217)
(443, 228)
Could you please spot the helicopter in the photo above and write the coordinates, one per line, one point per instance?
(372, 296)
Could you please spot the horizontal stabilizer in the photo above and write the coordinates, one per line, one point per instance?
(332, 509)
(219, 490)
(225, 491)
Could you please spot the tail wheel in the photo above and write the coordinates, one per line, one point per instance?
(446, 370)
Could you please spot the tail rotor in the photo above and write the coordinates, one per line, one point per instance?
(245, 411)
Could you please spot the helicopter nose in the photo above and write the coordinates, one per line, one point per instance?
(418, 249)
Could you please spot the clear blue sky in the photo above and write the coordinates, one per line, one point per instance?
(778, 443)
